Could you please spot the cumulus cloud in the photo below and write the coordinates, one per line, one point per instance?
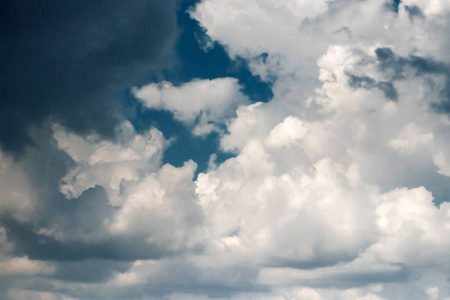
(152, 202)
(203, 104)
(369, 130)
(338, 187)
(106, 163)
(162, 207)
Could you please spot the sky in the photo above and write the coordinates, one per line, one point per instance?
(225, 149)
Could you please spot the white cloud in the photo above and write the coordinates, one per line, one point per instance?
(204, 104)
(162, 207)
(152, 201)
(253, 27)
(329, 166)
(286, 134)
(406, 218)
(109, 164)
(411, 139)
(433, 292)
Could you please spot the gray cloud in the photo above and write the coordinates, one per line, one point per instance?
(360, 279)
(422, 66)
(414, 12)
(80, 225)
(89, 271)
(70, 60)
(387, 88)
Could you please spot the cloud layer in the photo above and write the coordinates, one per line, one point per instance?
(338, 187)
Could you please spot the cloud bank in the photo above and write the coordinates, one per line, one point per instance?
(69, 61)
(338, 187)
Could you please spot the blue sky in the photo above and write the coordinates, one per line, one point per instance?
(225, 149)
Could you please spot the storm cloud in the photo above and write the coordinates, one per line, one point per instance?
(71, 61)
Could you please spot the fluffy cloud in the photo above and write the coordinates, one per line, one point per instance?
(367, 128)
(152, 202)
(106, 163)
(204, 104)
(162, 207)
(339, 185)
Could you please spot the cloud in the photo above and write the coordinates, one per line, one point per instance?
(24, 266)
(35, 295)
(414, 11)
(161, 207)
(69, 62)
(354, 141)
(109, 163)
(411, 139)
(203, 104)
(338, 187)
(17, 195)
(151, 201)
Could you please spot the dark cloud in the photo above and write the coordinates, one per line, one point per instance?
(80, 223)
(399, 274)
(89, 270)
(414, 12)
(361, 81)
(71, 230)
(385, 54)
(84, 218)
(179, 276)
(71, 234)
(69, 60)
(396, 272)
(387, 60)
(387, 88)
(422, 66)
(425, 65)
